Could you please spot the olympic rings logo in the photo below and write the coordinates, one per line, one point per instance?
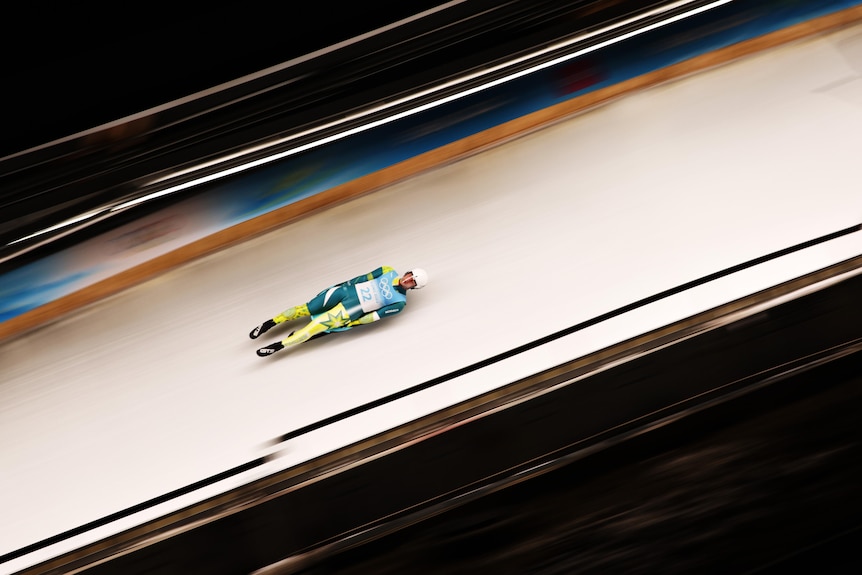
(385, 289)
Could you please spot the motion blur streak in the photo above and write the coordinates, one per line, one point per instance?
(244, 79)
(412, 111)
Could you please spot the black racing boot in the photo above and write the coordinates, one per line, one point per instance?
(270, 349)
(261, 329)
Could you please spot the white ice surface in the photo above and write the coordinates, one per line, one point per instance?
(159, 387)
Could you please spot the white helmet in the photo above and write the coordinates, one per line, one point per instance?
(421, 277)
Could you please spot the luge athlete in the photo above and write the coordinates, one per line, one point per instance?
(362, 300)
